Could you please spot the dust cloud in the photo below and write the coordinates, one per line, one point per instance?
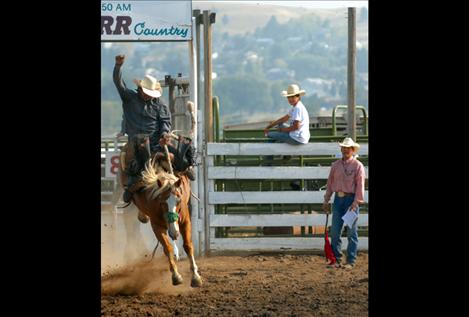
(126, 251)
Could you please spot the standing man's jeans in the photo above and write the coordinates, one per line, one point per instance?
(339, 208)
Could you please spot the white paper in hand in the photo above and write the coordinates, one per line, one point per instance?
(349, 218)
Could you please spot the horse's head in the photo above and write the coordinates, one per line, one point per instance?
(174, 208)
(164, 187)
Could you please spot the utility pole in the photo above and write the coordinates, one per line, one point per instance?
(208, 19)
(208, 75)
(351, 57)
(198, 21)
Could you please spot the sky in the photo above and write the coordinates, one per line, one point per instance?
(304, 4)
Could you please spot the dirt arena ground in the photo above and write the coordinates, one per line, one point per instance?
(249, 285)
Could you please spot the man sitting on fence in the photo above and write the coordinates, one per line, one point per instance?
(347, 180)
(297, 132)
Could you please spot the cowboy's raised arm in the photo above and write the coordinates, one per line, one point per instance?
(117, 77)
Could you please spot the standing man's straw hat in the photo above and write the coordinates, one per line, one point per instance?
(348, 142)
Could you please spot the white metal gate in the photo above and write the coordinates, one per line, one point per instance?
(271, 197)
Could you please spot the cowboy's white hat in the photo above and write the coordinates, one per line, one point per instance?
(150, 86)
(293, 90)
(348, 142)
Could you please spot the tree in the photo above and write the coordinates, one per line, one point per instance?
(111, 116)
(242, 92)
(272, 28)
(312, 103)
(278, 50)
(278, 101)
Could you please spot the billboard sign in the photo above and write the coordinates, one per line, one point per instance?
(146, 20)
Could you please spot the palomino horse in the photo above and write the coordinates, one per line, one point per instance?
(164, 200)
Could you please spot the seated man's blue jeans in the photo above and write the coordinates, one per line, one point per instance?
(339, 208)
(279, 137)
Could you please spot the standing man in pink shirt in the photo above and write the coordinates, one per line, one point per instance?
(347, 181)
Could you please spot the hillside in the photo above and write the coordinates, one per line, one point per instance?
(257, 51)
(243, 18)
(246, 17)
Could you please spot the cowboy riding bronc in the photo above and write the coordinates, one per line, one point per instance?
(148, 125)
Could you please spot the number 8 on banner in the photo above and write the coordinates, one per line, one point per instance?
(112, 164)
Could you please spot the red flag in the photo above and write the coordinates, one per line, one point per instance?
(327, 247)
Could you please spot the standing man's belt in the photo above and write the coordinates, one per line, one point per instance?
(343, 194)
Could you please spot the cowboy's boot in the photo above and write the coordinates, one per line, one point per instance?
(128, 191)
(190, 172)
(144, 153)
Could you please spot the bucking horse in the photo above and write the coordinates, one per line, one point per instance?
(163, 199)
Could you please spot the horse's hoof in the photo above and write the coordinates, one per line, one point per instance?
(196, 282)
(142, 217)
(177, 279)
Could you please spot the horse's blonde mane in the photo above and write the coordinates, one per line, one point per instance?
(154, 172)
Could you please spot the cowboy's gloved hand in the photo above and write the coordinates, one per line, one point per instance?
(160, 155)
(120, 59)
(164, 140)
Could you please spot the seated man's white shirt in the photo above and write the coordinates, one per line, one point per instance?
(299, 112)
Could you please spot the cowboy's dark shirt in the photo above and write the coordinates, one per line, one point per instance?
(150, 117)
